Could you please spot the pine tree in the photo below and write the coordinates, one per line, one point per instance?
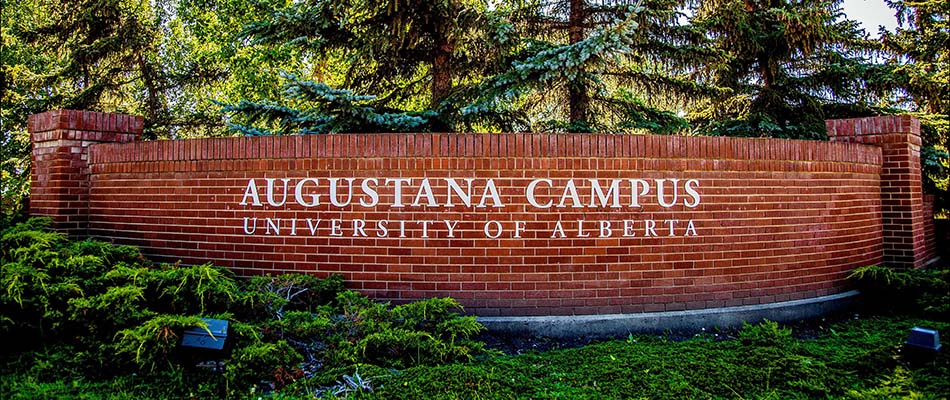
(918, 71)
(611, 66)
(920, 51)
(791, 65)
(406, 55)
(103, 45)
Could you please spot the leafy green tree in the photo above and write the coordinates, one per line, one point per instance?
(22, 67)
(790, 66)
(164, 59)
(205, 59)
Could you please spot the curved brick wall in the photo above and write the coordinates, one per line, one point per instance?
(753, 221)
(517, 224)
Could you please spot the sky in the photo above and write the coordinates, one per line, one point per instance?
(871, 13)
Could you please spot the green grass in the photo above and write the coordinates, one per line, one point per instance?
(858, 359)
(855, 359)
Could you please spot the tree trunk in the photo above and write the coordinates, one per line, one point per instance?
(441, 71)
(578, 98)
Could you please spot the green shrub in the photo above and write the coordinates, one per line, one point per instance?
(924, 292)
(262, 361)
(765, 334)
(117, 312)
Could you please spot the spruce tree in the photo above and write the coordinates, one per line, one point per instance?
(102, 45)
(919, 50)
(791, 65)
(918, 72)
(607, 66)
(397, 57)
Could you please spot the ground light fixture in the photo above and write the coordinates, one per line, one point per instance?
(212, 338)
(205, 347)
(923, 339)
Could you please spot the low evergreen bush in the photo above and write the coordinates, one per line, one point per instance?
(112, 311)
(923, 292)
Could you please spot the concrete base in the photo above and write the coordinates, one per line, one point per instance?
(614, 325)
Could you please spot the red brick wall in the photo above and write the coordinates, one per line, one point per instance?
(755, 221)
(905, 216)
(60, 181)
(777, 220)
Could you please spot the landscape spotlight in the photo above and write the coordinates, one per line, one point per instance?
(922, 338)
(212, 338)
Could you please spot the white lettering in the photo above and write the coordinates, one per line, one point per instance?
(250, 231)
(312, 226)
(335, 227)
(270, 192)
(272, 224)
(397, 189)
(635, 195)
(605, 230)
(251, 191)
(490, 192)
(519, 228)
(628, 228)
(580, 229)
(597, 193)
(298, 193)
(497, 228)
(671, 223)
(691, 191)
(690, 228)
(370, 191)
(529, 193)
(558, 231)
(649, 228)
(570, 191)
(660, 192)
(358, 226)
(453, 186)
(450, 225)
(425, 227)
(425, 190)
(333, 192)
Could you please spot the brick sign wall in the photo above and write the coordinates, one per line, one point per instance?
(513, 224)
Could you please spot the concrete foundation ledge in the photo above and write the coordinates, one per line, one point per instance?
(614, 325)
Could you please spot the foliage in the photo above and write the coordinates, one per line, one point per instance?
(917, 65)
(103, 312)
(404, 57)
(790, 65)
(112, 312)
(635, 81)
(853, 358)
(323, 109)
(465, 65)
(923, 292)
(919, 55)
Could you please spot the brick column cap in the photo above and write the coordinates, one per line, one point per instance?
(875, 130)
(85, 126)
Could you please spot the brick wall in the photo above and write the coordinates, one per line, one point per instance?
(725, 221)
(906, 219)
(60, 181)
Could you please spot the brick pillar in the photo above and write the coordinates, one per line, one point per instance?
(59, 186)
(905, 219)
